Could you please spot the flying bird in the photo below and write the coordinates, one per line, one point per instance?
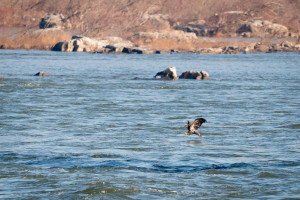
(193, 126)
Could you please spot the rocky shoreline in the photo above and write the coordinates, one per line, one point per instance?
(120, 46)
(117, 45)
(194, 37)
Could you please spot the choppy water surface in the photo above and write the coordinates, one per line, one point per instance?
(89, 131)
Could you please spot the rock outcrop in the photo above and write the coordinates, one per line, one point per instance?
(257, 28)
(178, 36)
(224, 50)
(107, 45)
(167, 74)
(284, 46)
(199, 29)
(81, 44)
(209, 51)
(203, 75)
(54, 20)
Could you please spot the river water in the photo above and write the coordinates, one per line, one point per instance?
(89, 131)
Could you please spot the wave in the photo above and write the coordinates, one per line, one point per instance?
(115, 162)
(119, 162)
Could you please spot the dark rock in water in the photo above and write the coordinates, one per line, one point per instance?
(191, 75)
(137, 51)
(143, 50)
(127, 50)
(230, 50)
(110, 49)
(41, 74)
(203, 75)
(139, 78)
(167, 74)
(164, 51)
(58, 46)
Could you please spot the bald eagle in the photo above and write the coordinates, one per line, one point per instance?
(193, 126)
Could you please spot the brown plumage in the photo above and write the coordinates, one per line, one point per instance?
(193, 126)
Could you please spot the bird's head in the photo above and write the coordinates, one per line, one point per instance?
(202, 120)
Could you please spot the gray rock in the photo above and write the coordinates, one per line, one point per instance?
(143, 50)
(257, 28)
(209, 50)
(81, 44)
(230, 50)
(191, 75)
(54, 20)
(167, 74)
(199, 29)
(203, 75)
(108, 45)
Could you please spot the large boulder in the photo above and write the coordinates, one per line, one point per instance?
(54, 20)
(203, 75)
(297, 47)
(191, 75)
(107, 45)
(167, 74)
(81, 44)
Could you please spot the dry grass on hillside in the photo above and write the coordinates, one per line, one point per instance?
(42, 39)
(125, 17)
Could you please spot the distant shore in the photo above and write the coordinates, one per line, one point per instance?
(163, 43)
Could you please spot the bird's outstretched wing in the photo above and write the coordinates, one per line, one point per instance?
(197, 123)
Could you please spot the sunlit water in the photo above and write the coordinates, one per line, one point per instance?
(89, 131)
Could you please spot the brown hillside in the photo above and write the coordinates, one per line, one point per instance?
(124, 17)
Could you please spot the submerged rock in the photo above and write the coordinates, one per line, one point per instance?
(41, 74)
(167, 74)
